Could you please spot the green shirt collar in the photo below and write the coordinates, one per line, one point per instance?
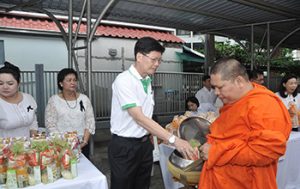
(145, 81)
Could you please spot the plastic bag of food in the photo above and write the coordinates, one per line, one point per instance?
(34, 169)
(68, 164)
(74, 142)
(59, 143)
(48, 166)
(3, 161)
(11, 181)
(17, 163)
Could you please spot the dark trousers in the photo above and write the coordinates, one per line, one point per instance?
(131, 162)
(86, 151)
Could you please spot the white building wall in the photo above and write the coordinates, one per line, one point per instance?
(25, 51)
(101, 59)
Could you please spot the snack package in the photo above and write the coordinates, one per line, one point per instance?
(68, 164)
(41, 156)
(17, 163)
(11, 182)
(46, 154)
(3, 169)
(59, 143)
(48, 166)
(3, 162)
(34, 169)
(74, 170)
(72, 139)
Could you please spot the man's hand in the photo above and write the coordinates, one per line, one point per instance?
(204, 150)
(185, 148)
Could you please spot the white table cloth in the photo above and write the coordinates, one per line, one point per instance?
(89, 177)
(288, 173)
(164, 154)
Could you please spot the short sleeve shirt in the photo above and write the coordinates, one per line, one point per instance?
(129, 91)
(16, 120)
(206, 96)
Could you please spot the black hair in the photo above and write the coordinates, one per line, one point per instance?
(62, 74)
(284, 80)
(193, 100)
(147, 44)
(205, 77)
(11, 69)
(253, 74)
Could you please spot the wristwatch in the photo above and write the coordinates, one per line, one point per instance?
(172, 139)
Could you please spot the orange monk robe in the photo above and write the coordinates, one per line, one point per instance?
(246, 142)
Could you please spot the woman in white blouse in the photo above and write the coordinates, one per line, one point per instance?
(192, 104)
(70, 110)
(288, 93)
(17, 109)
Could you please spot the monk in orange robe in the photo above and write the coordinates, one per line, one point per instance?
(249, 136)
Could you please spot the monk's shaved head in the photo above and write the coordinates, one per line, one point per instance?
(229, 69)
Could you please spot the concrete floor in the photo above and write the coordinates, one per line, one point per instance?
(100, 160)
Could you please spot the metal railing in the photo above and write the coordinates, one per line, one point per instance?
(170, 90)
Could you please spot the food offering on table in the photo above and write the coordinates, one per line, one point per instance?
(59, 143)
(47, 163)
(64, 157)
(68, 164)
(40, 159)
(17, 165)
(34, 169)
(3, 161)
(73, 140)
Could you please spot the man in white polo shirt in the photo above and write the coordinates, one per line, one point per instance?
(206, 94)
(130, 150)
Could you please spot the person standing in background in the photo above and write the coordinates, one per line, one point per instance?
(288, 93)
(130, 150)
(249, 136)
(192, 104)
(256, 76)
(70, 110)
(206, 94)
(17, 109)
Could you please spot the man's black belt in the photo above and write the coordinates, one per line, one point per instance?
(142, 139)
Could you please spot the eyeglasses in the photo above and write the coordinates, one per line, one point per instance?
(153, 60)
